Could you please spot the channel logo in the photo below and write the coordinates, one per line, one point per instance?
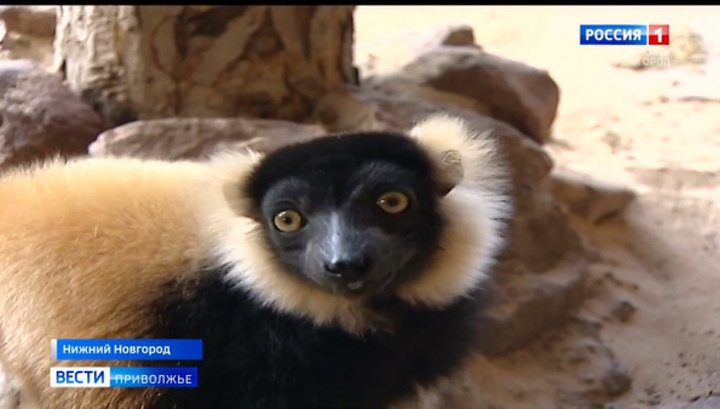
(624, 34)
(124, 377)
(79, 377)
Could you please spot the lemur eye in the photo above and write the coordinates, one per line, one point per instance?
(393, 202)
(288, 221)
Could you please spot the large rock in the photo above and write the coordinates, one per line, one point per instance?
(196, 138)
(40, 117)
(27, 32)
(530, 304)
(395, 51)
(18, 46)
(148, 62)
(570, 367)
(38, 21)
(523, 96)
(591, 371)
(593, 200)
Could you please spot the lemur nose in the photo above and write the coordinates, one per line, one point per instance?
(350, 268)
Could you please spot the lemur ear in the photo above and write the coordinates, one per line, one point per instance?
(232, 170)
(450, 171)
(456, 151)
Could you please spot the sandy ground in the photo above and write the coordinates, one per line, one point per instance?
(656, 131)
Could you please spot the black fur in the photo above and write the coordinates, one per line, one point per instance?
(257, 358)
(343, 153)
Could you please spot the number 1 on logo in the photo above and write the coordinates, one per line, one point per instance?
(659, 34)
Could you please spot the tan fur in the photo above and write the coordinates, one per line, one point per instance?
(469, 245)
(81, 245)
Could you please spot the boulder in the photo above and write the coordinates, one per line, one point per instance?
(576, 367)
(27, 32)
(37, 21)
(40, 117)
(523, 96)
(197, 138)
(591, 199)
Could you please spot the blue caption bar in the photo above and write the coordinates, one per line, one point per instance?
(144, 377)
(127, 349)
(613, 34)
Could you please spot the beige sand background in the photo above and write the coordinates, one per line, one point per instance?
(656, 131)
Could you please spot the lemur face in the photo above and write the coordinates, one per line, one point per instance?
(355, 215)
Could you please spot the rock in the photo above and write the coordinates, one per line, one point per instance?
(394, 52)
(616, 380)
(581, 350)
(16, 46)
(530, 304)
(687, 46)
(591, 199)
(373, 108)
(523, 96)
(575, 366)
(27, 32)
(541, 235)
(143, 62)
(40, 116)
(38, 21)
(623, 311)
(192, 138)
(370, 107)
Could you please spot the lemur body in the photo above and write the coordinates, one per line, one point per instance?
(341, 272)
